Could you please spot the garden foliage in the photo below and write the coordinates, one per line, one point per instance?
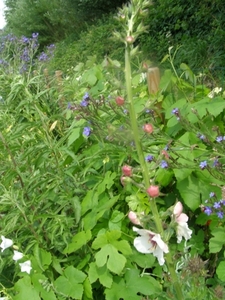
(84, 157)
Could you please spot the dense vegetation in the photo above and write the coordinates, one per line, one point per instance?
(112, 179)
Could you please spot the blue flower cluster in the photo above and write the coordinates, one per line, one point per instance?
(214, 207)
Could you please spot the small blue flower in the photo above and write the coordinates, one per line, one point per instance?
(125, 111)
(86, 96)
(208, 210)
(149, 158)
(175, 111)
(84, 103)
(215, 163)
(202, 137)
(164, 164)
(217, 205)
(212, 194)
(203, 164)
(220, 214)
(219, 138)
(87, 131)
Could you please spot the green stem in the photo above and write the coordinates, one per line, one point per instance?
(144, 168)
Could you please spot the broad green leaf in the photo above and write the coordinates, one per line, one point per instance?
(70, 284)
(101, 273)
(220, 271)
(90, 201)
(190, 191)
(110, 256)
(25, 290)
(79, 240)
(43, 286)
(132, 286)
(218, 240)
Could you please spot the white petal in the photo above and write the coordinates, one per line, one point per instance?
(160, 243)
(183, 231)
(26, 266)
(6, 243)
(17, 255)
(178, 208)
(159, 254)
(143, 244)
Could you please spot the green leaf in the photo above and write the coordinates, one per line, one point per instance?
(110, 256)
(216, 243)
(190, 191)
(101, 273)
(87, 289)
(42, 285)
(132, 284)
(43, 258)
(75, 134)
(70, 285)
(25, 290)
(79, 240)
(220, 271)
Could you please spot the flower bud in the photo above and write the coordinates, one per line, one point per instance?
(148, 128)
(153, 191)
(120, 101)
(133, 218)
(127, 170)
(130, 39)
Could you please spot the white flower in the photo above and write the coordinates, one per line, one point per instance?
(216, 90)
(6, 243)
(4, 298)
(17, 256)
(181, 220)
(150, 242)
(26, 266)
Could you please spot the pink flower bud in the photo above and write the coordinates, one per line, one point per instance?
(127, 170)
(130, 39)
(133, 218)
(148, 128)
(120, 101)
(153, 191)
(178, 208)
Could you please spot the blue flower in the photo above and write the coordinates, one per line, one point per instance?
(203, 164)
(175, 111)
(208, 210)
(84, 103)
(87, 131)
(164, 164)
(86, 96)
(215, 163)
(149, 158)
(219, 138)
(220, 214)
(212, 194)
(217, 205)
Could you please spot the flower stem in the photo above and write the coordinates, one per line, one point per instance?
(138, 145)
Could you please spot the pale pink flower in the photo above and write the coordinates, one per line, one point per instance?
(181, 220)
(150, 242)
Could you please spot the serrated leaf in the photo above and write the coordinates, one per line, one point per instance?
(25, 290)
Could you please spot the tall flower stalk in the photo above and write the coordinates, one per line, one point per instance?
(132, 15)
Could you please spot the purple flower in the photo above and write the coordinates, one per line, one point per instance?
(215, 163)
(35, 35)
(149, 158)
(87, 131)
(164, 164)
(175, 111)
(43, 57)
(208, 210)
(25, 40)
(219, 138)
(216, 205)
(86, 96)
(203, 164)
(202, 137)
(212, 194)
(84, 103)
(220, 214)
